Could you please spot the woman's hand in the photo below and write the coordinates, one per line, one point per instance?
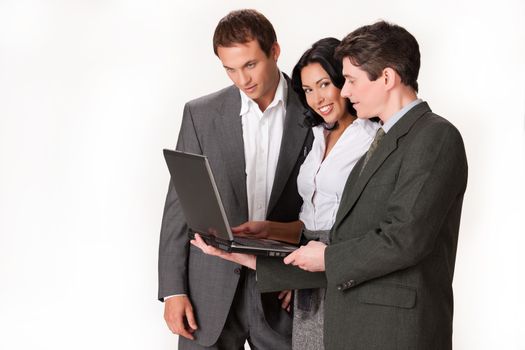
(285, 297)
(247, 260)
(308, 257)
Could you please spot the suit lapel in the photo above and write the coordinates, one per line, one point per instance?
(228, 126)
(355, 183)
(294, 134)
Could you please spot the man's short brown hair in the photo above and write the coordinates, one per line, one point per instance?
(383, 45)
(242, 26)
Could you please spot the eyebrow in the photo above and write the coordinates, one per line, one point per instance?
(244, 65)
(317, 82)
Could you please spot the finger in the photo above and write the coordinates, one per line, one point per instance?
(288, 297)
(178, 327)
(290, 257)
(190, 317)
(239, 229)
(286, 300)
(199, 244)
(184, 333)
(282, 294)
(199, 239)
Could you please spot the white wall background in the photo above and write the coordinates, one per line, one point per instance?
(91, 91)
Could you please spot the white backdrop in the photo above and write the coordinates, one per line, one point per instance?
(91, 91)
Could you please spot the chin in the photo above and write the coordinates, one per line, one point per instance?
(363, 115)
(329, 120)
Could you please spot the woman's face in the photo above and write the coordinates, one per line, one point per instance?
(322, 95)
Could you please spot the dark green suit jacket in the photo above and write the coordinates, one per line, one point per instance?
(390, 263)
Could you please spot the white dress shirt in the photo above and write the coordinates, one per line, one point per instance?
(262, 133)
(321, 183)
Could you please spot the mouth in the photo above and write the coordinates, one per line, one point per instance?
(325, 110)
(250, 89)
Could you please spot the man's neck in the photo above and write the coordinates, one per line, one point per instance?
(397, 100)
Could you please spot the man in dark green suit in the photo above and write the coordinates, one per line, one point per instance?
(389, 266)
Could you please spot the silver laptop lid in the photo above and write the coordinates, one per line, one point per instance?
(198, 194)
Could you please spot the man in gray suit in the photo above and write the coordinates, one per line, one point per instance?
(389, 266)
(253, 135)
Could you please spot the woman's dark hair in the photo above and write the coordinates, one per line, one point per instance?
(321, 52)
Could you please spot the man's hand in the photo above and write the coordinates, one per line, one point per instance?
(247, 260)
(179, 317)
(308, 257)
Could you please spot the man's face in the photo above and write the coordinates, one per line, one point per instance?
(368, 97)
(251, 70)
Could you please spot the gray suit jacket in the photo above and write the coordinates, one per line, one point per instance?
(391, 260)
(211, 125)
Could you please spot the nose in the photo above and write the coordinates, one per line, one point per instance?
(345, 91)
(318, 98)
(244, 78)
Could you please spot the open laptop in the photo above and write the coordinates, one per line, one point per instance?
(201, 204)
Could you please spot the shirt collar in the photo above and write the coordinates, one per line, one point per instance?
(280, 96)
(399, 114)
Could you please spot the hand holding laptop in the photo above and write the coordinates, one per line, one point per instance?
(199, 197)
(247, 260)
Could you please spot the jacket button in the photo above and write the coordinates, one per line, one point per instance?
(237, 270)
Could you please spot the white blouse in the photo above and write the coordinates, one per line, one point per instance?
(321, 183)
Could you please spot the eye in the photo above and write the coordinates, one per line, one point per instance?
(307, 91)
(324, 84)
(250, 65)
(230, 70)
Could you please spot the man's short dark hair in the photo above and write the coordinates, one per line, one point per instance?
(383, 45)
(242, 26)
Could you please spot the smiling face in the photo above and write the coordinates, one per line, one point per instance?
(251, 70)
(322, 95)
(368, 97)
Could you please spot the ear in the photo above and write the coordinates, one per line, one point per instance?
(275, 51)
(390, 78)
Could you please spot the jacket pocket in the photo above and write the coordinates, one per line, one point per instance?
(388, 295)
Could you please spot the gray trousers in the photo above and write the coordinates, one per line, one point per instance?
(245, 322)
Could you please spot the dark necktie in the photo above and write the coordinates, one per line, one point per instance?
(379, 135)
